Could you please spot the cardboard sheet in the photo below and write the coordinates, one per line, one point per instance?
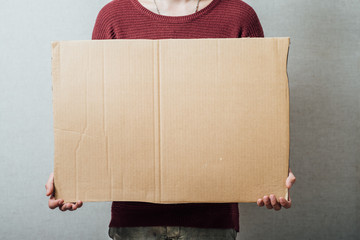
(171, 121)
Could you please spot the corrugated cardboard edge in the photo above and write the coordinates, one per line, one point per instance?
(55, 72)
(288, 109)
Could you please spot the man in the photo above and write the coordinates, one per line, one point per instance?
(160, 19)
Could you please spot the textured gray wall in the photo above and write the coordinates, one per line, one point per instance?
(324, 76)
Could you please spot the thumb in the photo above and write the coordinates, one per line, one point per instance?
(49, 186)
(290, 180)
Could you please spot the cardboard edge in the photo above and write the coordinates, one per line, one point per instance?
(55, 72)
(288, 115)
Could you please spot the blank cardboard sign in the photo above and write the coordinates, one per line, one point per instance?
(171, 120)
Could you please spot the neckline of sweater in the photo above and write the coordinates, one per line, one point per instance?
(175, 19)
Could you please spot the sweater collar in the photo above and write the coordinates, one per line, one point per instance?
(175, 19)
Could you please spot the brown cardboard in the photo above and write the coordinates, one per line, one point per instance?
(171, 121)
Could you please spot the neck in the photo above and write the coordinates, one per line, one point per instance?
(169, 4)
(176, 1)
(174, 7)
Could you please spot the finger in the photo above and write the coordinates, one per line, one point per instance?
(49, 186)
(284, 203)
(69, 206)
(260, 202)
(267, 202)
(276, 205)
(76, 205)
(54, 203)
(66, 206)
(62, 207)
(290, 179)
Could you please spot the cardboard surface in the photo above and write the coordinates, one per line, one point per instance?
(171, 121)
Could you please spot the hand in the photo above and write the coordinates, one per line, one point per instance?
(54, 203)
(270, 201)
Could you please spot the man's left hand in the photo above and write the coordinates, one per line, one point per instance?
(272, 203)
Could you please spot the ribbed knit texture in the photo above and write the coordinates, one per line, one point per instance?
(128, 19)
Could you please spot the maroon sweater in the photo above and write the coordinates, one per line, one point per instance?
(128, 19)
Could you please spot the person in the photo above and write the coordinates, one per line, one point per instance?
(161, 19)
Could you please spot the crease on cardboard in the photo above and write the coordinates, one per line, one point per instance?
(122, 187)
(76, 132)
(215, 83)
(76, 165)
(84, 130)
(157, 158)
(108, 160)
(217, 70)
(154, 129)
(159, 120)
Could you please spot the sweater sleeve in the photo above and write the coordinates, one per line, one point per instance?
(103, 28)
(252, 26)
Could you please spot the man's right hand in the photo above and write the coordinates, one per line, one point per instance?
(54, 203)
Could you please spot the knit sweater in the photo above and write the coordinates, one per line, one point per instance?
(128, 19)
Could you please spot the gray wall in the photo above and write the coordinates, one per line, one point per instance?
(324, 76)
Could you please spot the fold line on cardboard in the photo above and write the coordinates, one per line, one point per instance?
(159, 116)
(156, 105)
(76, 154)
(108, 162)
